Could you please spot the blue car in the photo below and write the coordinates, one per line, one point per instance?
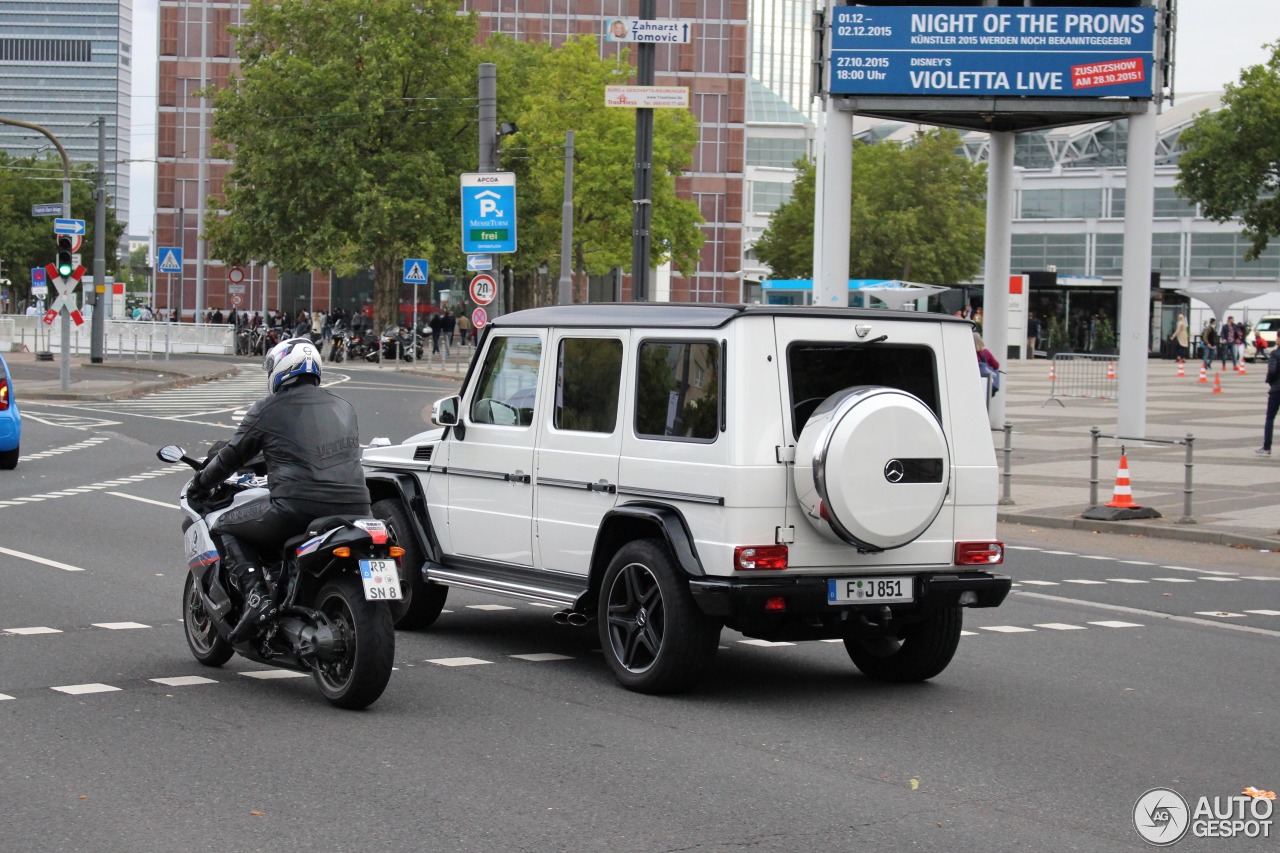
(10, 420)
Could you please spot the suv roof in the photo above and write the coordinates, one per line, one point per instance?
(698, 316)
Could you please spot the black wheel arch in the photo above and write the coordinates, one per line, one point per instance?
(639, 520)
(405, 488)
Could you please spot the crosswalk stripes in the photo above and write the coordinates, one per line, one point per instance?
(237, 392)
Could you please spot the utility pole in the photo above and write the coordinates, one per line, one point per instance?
(566, 225)
(100, 296)
(488, 115)
(642, 218)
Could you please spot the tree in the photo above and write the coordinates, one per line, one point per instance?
(556, 90)
(27, 241)
(918, 214)
(349, 126)
(1231, 164)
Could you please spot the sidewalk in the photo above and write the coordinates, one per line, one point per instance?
(1235, 493)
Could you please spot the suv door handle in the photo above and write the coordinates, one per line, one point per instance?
(520, 477)
(602, 486)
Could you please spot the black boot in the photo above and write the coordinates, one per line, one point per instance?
(258, 605)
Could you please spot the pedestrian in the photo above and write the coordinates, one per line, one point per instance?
(1273, 400)
(1209, 342)
(448, 325)
(1033, 335)
(1242, 335)
(436, 326)
(1180, 339)
(1227, 349)
(987, 363)
(464, 328)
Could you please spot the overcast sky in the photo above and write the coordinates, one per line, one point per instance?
(1215, 39)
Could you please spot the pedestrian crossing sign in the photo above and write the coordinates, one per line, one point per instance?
(170, 259)
(415, 271)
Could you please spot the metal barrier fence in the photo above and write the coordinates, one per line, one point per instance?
(1082, 375)
(136, 338)
(1189, 463)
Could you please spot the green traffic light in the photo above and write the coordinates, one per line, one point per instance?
(64, 266)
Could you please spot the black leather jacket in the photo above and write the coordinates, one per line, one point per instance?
(1273, 368)
(311, 444)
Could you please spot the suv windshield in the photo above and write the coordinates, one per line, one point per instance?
(818, 370)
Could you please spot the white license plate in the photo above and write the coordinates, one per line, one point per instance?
(381, 580)
(869, 590)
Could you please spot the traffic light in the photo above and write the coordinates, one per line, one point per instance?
(64, 263)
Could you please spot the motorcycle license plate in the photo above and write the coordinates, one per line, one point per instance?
(381, 580)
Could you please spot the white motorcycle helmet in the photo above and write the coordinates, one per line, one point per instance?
(288, 361)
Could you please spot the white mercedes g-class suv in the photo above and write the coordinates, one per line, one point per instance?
(663, 470)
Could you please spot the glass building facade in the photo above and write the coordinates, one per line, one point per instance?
(63, 64)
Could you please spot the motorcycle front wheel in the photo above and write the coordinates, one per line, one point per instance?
(206, 645)
(357, 679)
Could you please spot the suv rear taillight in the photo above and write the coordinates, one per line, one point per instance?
(755, 558)
(4, 394)
(979, 553)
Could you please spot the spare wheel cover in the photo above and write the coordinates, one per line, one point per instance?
(881, 465)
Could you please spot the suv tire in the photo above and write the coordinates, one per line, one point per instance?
(652, 633)
(422, 600)
(924, 652)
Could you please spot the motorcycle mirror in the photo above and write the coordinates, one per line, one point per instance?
(170, 453)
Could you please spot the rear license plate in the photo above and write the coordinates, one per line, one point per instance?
(869, 590)
(381, 580)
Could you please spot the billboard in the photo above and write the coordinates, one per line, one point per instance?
(1064, 52)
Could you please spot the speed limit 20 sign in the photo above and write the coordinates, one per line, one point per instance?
(483, 289)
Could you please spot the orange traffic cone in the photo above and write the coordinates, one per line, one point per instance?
(1122, 497)
(1181, 371)
(1111, 370)
(1204, 377)
(1240, 368)
(1051, 374)
(1217, 383)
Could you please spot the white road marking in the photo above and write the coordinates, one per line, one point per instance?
(4, 696)
(969, 633)
(1196, 571)
(458, 661)
(1265, 612)
(489, 607)
(82, 689)
(1260, 578)
(1008, 629)
(27, 631)
(1137, 562)
(1020, 548)
(1221, 614)
(33, 558)
(184, 681)
(764, 644)
(1089, 582)
(539, 657)
(542, 604)
(1043, 583)
(1064, 553)
(1174, 580)
(1060, 626)
(1127, 580)
(1151, 614)
(1115, 624)
(1094, 557)
(1221, 580)
(145, 500)
(119, 626)
(271, 674)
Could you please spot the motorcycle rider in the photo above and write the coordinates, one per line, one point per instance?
(310, 441)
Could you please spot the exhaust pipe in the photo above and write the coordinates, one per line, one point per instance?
(571, 617)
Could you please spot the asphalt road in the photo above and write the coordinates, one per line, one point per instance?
(1116, 666)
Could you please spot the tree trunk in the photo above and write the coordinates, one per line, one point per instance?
(386, 295)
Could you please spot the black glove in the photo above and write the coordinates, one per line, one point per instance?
(197, 491)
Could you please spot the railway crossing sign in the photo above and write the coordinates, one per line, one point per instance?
(66, 296)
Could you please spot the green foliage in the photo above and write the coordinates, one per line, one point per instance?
(1104, 335)
(918, 214)
(1232, 156)
(27, 241)
(349, 126)
(1058, 339)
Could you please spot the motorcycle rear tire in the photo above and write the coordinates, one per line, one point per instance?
(359, 678)
(206, 645)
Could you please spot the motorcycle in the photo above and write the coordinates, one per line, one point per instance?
(393, 344)
(334, 585)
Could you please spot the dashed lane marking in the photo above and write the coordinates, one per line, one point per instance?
(4, 696)
(458, 661)
(764, 644)
(43, 561)
(1042, 583)
(1174, 580)
(541, 657)
(1114, 624)
(1007, 629)
(490, 607)
(119, 626)
(1221, 614)
(183, 681)
(1126, 580)
(1084, 581)
(144, 500)
(1264, 612)
(66, 448)
(1150, 614)
(93, 487)
(1220, 580)
(273, 674)
(39, 629)
(1060, 626)
(82, 689)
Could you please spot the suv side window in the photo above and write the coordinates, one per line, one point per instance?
(678, 392)
(508, 385)
(588, 373)
(819, 369)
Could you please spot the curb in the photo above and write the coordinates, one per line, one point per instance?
(1128, 528)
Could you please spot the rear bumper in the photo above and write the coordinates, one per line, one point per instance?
(10, 429)
(744, 597)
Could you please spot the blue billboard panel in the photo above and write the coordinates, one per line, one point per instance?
(1076, 52)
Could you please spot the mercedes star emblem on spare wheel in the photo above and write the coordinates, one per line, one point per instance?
(893, 471)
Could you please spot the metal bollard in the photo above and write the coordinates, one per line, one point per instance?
(1094, 432)
(1186, 488)
(1006, 497)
